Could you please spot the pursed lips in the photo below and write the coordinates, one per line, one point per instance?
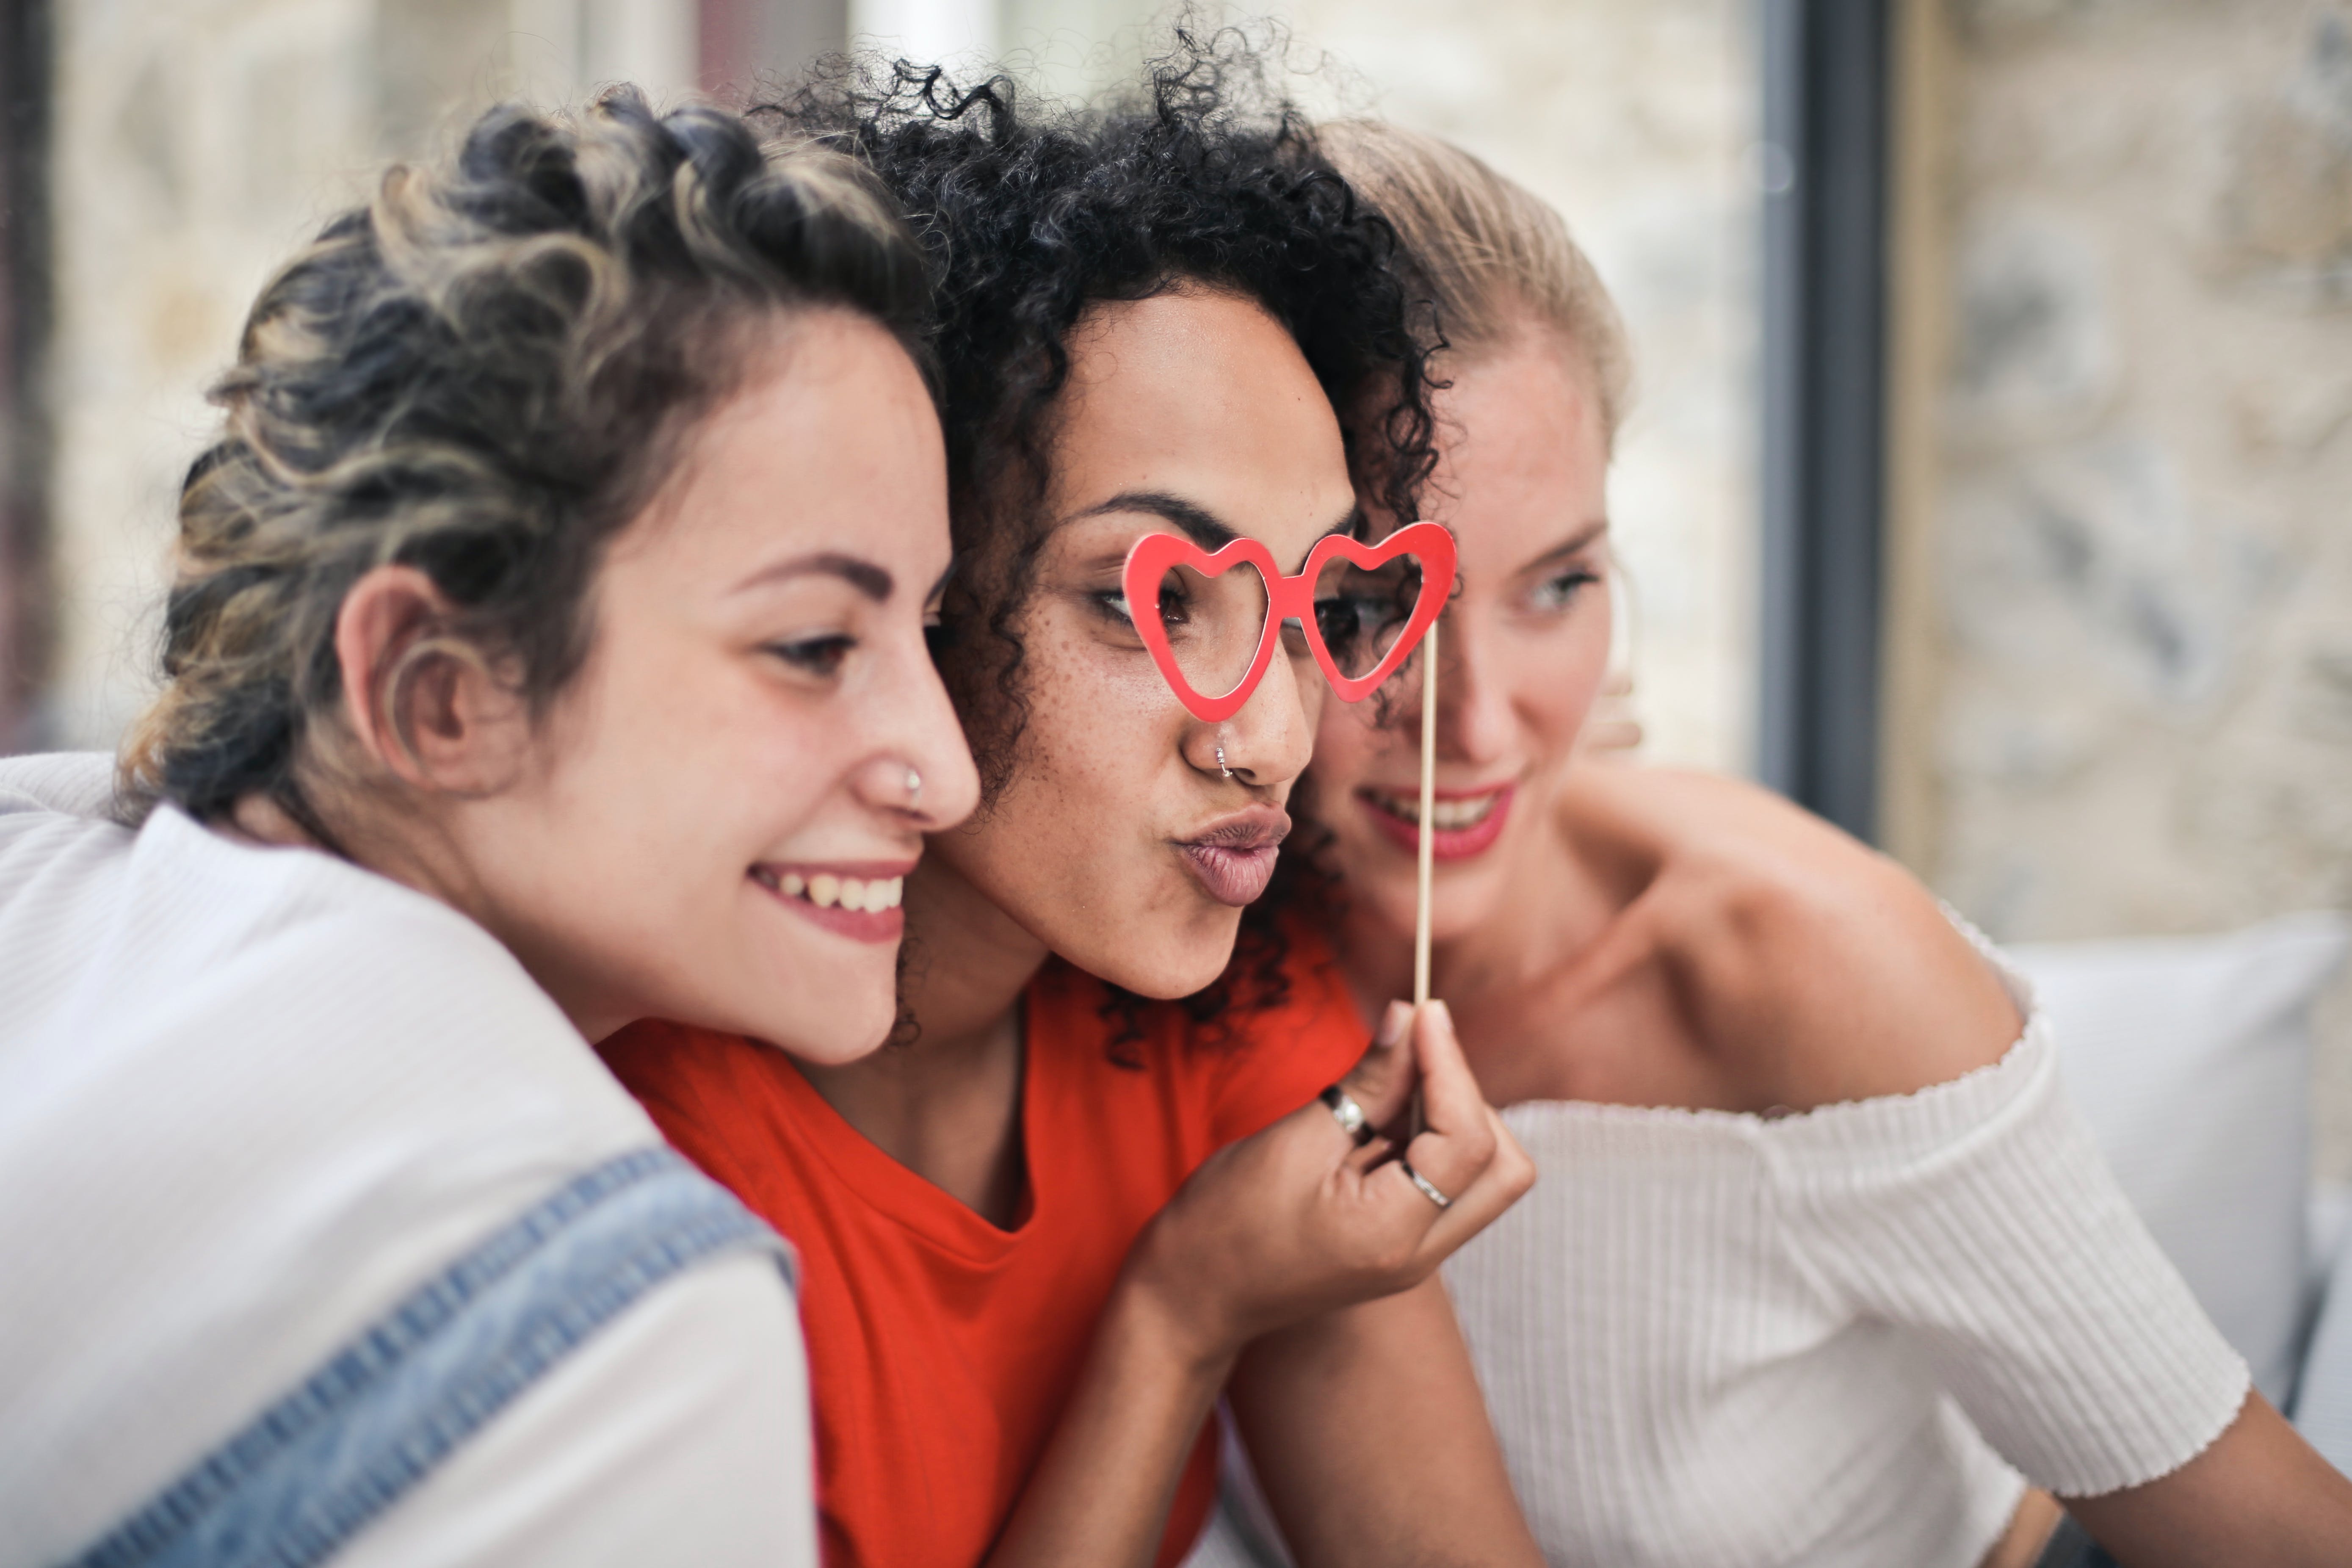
(1234, 858)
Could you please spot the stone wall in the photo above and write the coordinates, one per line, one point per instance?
(2139, 529)
(199, 141)
(196, 144)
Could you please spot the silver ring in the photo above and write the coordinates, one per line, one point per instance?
(914, 787)
(1221, 763)
(1348, 1114)
(1428, 1188)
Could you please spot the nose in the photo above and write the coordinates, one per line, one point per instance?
(920, 767)
(1268, 743)
(1473, 710)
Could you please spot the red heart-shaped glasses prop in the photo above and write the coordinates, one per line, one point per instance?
(1288, 598)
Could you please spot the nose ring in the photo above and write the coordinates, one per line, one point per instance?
(914, 788)
(1221, 763)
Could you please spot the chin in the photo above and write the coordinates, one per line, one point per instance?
(1164, 964)
(825, 1013)
(834, 1039)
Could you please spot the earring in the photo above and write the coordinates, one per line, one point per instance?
(1221, 763)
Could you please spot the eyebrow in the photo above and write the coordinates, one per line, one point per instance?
(863, 575)
(1581, 540)
(1200, 524)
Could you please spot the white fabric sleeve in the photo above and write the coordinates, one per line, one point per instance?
(1978, 1215)
(680, 1433)
(77, 784)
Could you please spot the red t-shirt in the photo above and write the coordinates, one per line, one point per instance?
(941, 1349)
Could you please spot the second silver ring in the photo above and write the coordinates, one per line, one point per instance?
(1428, 1188)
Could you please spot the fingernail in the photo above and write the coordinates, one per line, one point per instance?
(1392, 1023)
(1443, 1014)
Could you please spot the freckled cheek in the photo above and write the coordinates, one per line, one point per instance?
(1102, 734)
(1086, 791)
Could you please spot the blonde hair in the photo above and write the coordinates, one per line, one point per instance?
(1491, 254)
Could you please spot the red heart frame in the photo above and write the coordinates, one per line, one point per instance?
(1286, 598)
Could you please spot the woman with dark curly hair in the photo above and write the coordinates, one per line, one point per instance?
(1042, 1235)
(501, 698)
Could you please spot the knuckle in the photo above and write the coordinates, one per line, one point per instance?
(1520, 1175)
(1394, 1257)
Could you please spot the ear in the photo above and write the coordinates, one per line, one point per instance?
(420, 702)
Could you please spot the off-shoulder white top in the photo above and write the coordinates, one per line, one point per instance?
(1845, 1337)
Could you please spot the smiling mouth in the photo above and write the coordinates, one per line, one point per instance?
(865, 908)
(826, 891)
(1463, 824)
(1449, 815)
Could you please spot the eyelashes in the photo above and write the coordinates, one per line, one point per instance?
(1558, 591)
(817, 655)
(1111, 605)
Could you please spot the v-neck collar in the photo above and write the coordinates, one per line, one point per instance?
(911, 1200)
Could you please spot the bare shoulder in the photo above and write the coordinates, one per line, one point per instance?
(1811, 968)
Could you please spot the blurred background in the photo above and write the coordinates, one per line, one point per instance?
(1987, 484)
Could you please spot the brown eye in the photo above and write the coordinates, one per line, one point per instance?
(815, 656)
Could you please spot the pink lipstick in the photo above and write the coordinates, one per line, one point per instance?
(1469, 821)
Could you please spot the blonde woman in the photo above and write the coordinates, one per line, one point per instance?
(1823, 1270)
(553, 599)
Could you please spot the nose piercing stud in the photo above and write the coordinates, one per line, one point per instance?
(914, 787)
(1221, 763)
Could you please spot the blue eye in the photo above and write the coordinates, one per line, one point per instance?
(1557, 594)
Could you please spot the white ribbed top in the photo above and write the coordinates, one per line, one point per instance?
(1709, 1338)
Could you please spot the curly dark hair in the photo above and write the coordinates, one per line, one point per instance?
(1031, 211)
(483, 374)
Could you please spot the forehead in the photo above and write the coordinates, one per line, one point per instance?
(828, 441)
(1199, 395)
(1522, 452)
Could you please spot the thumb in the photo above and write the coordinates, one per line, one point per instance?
(1383, 1077)
(1451, 1100)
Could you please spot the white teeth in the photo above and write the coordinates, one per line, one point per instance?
(826, 891)
(1448, 815)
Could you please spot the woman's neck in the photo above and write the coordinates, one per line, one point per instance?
(967, 961)
(1548, 908)
(947, 1105)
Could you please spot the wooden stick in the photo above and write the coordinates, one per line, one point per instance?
(1428, 812)
(1416, 1121)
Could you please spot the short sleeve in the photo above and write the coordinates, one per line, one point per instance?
(679, 1433)
(1275, 1059)
(1979, 1216)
